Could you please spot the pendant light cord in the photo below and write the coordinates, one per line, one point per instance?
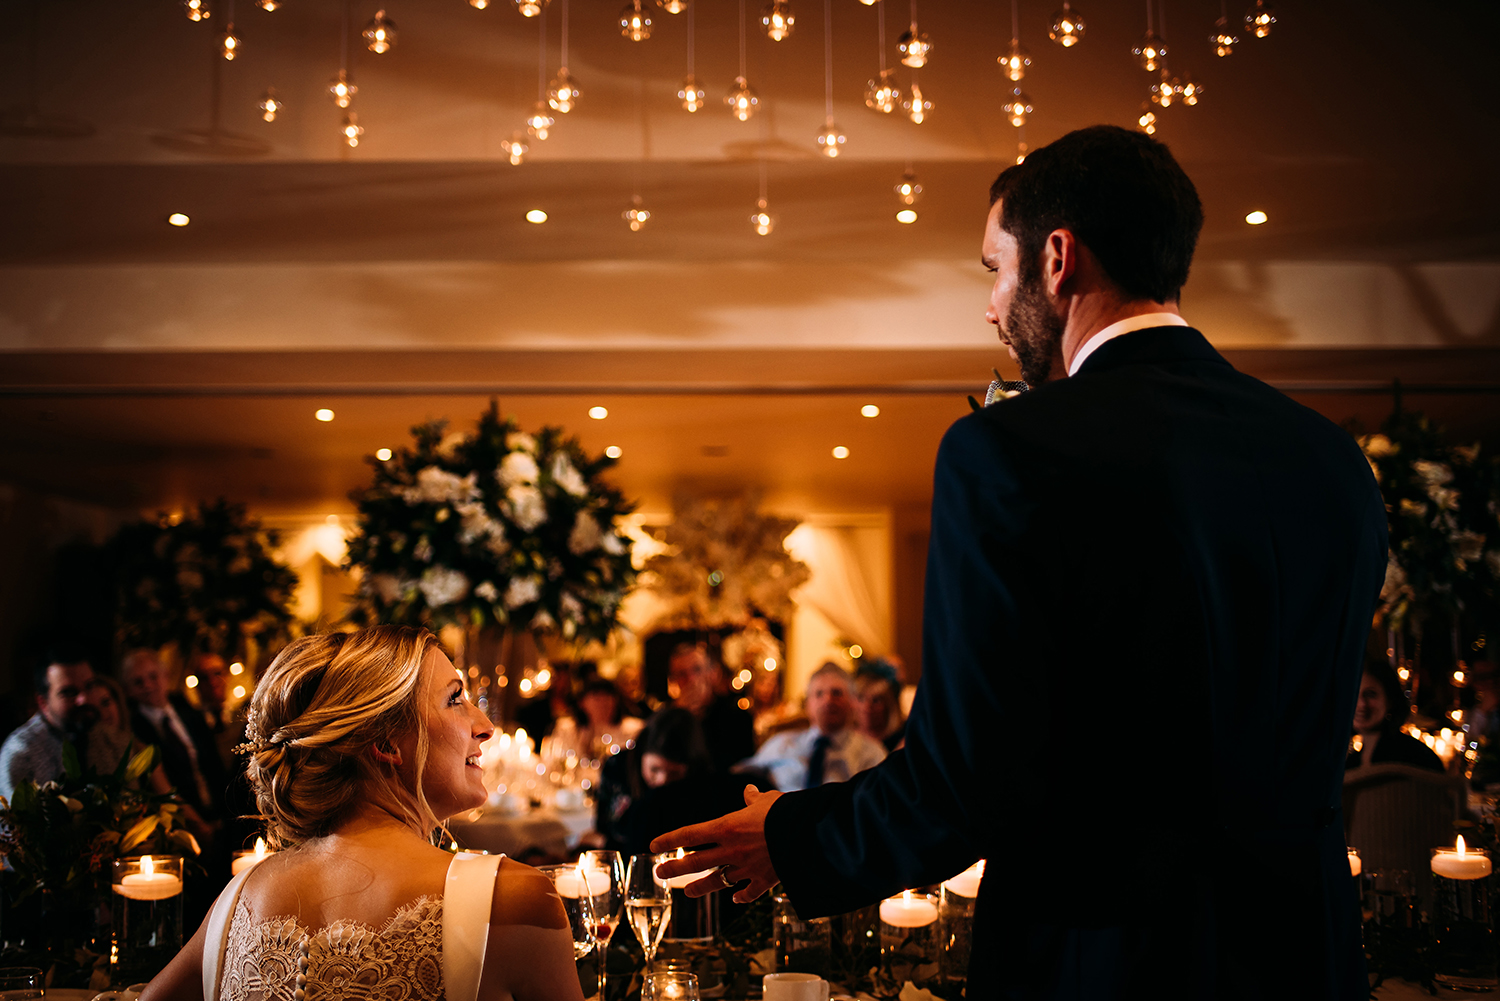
(541, 58)
(742, 39)
(564, 34)
(1015, 20)
(828, 58)
(690, 9)
(880, 22)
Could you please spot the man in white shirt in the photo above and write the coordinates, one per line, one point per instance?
(831, 749)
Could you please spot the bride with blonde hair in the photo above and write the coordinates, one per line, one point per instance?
(359, 744)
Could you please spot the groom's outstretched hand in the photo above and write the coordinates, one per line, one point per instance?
(736, 841)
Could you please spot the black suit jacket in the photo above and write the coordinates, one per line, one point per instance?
(1193, 558)
(175, 760)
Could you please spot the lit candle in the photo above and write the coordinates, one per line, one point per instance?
(148, 884)
(1355, 865)
(245, 859)
(678, 882)
(576, 882)
(966, 883)
(907, 911)
(1460, 863)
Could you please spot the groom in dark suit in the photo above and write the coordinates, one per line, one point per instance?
(1152, 542)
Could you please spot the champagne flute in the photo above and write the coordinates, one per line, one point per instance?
(648, 903)
(577, 903)
(604, 875)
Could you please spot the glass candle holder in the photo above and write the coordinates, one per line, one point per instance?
(669, 986)
(246, 857)
(1463, 919)
(802, 946)
(146, 907)
(693, 919)
(909, 939)
(956, 899)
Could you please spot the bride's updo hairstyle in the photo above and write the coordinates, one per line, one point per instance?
(323, 705)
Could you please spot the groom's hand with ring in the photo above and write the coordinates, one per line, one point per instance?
(736, 850)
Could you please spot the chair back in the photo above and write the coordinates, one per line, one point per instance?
(1396, 814)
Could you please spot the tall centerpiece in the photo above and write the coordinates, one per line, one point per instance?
(494, 531)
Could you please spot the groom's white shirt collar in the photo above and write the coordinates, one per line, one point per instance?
(1125, 326)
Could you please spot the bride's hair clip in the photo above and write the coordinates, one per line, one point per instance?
(255, 741)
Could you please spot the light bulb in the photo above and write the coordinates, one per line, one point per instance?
(1259, 18)
(883, 94)
(915, 105)
(563, 94)
(741, 99)
(515, 147)
(229, 43)
(529, 8)
(1189, 90)
(1223, 39)
(351, 129)
(673, 6)
(1067, 27)
(830, 140)
(270, 104)
(1147, 121)
(196, 10)
(636, 218)
(1020, 153)
(342, 89)
(914, 46)
(1166, 90)
(268, 4)
(761, 220)
(539, 122)
(479, 4)
(1149, 52)
(907, 217)
(1016, 107)
(380, 33)
(778, 20)
(908, 191)
(1015, 62)
(691, 93)
(635, 23)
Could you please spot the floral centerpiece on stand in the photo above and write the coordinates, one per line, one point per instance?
(495, 528)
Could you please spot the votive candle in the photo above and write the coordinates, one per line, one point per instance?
(907, 911)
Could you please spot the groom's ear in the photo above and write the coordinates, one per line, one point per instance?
(386, 752)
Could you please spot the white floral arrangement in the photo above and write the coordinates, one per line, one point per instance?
(498, 527)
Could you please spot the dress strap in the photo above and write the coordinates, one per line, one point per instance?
(217, 936)
(467, 900)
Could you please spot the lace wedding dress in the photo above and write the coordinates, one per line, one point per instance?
(432, 949)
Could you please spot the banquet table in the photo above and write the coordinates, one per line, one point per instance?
(546, 829)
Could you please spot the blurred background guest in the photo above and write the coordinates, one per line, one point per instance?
(111, 739)
(599, 723)
(877, 703)
(189, 753)
(830, 749)
(728, 730)
(34, 750)
(1379, 713)
(213, 699)
(540, 714)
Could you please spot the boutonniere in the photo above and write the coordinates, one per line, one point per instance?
(1000, 389)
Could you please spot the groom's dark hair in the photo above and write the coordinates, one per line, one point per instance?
(1121, 193)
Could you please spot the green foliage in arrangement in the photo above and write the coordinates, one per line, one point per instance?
(492, 528)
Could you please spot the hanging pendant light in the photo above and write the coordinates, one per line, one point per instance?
(637, 215)
(380, 33)
(914, 45)
(1165, 90)
(563, 94)
(196, 10)
(1015, 62)
(1189, 90)
(761, 219)
(527, 8)
(831, 138)
(635, 23)
(229, 43)
(1150, 52)
(351, 129)
(1147, 120)
(515, 147)
(479, 4)
(907, 189)
(673, 6)
(741, 98)
(539, 123)
(778, 20)
(1067, 27)
(270, 105)
(342, 89)
(883, 94)
(691, 94)
(915, 104)
(1016, 107)
(1259, 19)
(268, 4)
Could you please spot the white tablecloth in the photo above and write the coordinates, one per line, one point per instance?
(546, 829)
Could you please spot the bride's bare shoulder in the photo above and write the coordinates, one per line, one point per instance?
(524, 896)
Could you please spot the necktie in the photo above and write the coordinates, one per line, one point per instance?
(815, 763)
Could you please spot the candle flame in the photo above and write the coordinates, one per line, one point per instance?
(148, 867)
(906, 896)
(1461, 848)
(260, 849)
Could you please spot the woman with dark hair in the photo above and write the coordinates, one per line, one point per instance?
(1378, 715)
(599, 728)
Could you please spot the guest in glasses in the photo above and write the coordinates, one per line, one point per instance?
(1379, 713)
(831, 748)
(359, 744)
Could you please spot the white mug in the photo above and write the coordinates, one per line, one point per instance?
(795, 987)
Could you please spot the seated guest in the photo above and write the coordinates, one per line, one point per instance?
(728, 730)
(600, 724)
(830, 749)
(34, 750)
(665, 781)
(227, 727)
(1378, 715)
(110, 739)
(188, 751)
(877, 705)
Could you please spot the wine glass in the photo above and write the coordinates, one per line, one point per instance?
(21, 982)
(604, 875)
(577, 903)
(648, 903)
(671, 986)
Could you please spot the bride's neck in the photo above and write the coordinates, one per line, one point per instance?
(370, 821)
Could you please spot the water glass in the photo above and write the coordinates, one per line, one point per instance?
(21, 983)
(802, 946)
(577, 903)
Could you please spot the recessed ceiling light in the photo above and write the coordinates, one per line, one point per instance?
(614, 451)
(907, 216)
(178, 219)
(537, 216)
(598, 413)
(1256, 218)
(383, 454)
(840, 452)
(332, 519)
(869, 410)
(324, 415)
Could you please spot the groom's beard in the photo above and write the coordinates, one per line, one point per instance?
(1033, 330)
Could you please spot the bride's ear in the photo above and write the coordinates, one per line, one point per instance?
(386, 752)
